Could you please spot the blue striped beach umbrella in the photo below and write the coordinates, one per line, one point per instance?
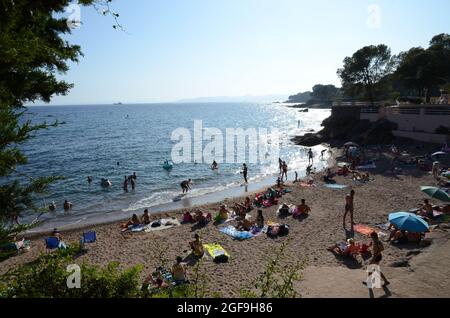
(408, 222)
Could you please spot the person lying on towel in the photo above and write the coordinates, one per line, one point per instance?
(348, 248)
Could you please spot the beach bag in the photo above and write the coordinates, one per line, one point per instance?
(221, 258)
(283, 230)
(156, 224)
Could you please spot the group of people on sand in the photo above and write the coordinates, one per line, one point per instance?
(178, 272)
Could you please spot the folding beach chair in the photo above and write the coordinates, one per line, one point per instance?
(51, 243)
(88, 237)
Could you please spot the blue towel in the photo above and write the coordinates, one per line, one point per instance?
(335, 186)
(233, 232)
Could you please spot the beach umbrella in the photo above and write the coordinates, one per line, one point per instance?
(351, 144)
(408, 222)
(439, 153)
(436, 193)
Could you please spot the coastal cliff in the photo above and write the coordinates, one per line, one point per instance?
(344, 125)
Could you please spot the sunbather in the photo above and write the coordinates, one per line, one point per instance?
(348, 248)
(145, 219)
(133, 222)
(302, 209)
(223, 214)
(197, 247)
(244, 225)
(328, 177)
(187, 217)
(260, 219)
(156, 279)
(56, 233)
(426, 209)
(201, 217)
(247, 204)
(443, 183)
(283, 210)
(179, 271)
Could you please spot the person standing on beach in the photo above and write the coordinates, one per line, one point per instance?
(125, 184)
(377, 257)
(280, 165)
(284, 170)
(310, 156)
(349, 199)
(245, 172)
(322, 153)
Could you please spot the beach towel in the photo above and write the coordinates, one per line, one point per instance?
(383, 226)
(287, 191)
(364, 229)
(437, 214)
(216, 251)
(165, 224)
(335, 186)
(367, 167)
(234, 233)
(342, 164)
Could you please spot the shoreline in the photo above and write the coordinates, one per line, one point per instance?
(173, 208)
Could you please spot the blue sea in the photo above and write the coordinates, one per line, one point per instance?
(93, 138)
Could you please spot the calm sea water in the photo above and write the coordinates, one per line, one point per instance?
(94, 138)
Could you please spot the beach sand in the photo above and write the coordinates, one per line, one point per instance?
(427, 274)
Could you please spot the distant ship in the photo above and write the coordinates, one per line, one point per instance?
(119, 103)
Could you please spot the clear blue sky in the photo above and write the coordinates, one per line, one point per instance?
(176, 49)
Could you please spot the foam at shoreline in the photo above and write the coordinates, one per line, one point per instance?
(73, 222)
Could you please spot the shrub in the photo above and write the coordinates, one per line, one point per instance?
(47, 278)
(277, 281)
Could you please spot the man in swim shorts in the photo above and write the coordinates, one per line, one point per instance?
(349, 198)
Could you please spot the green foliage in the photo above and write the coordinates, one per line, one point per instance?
(325, 92)
(364, 71)
(33, 51)
(300, 97)
(47, 278)
(422, 71)
(277, 281)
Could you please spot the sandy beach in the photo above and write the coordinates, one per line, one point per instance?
(424, 270)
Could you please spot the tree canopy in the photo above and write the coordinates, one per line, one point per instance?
(364, 71)
(422, 71)
(32, 51)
